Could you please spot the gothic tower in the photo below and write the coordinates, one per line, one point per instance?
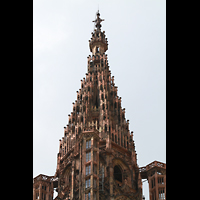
(97, 158)
(155, 173)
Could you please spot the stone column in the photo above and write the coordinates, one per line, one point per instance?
(72, 190)
(34, 195)
(111, 182)
(156, 184)
(51, 192)
(80, 171)
(40, 191)
(97, 170)
(47, 192)
(150, 186)
(83, 167)
(91, 177)
(108, 142)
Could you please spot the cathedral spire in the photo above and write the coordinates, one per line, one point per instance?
(97, 158)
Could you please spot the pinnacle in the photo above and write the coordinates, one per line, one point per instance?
(98, 21)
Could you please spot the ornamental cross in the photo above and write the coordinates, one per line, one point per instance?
(98, 21)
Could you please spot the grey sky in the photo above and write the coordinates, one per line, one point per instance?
(136, 32)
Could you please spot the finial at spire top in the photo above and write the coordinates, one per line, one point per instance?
(98, 21)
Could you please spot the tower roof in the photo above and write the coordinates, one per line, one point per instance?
(98, 104)
(98, 40)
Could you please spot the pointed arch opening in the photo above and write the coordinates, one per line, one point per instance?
(118, 173)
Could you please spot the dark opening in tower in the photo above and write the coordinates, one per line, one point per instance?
(117, 173)
(97, 100)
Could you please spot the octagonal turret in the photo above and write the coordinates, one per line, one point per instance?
(98, 43)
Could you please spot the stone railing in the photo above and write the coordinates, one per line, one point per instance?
(153, 164)
(43, 177)
(142, 169)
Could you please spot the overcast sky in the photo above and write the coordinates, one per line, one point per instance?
(136, 32)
